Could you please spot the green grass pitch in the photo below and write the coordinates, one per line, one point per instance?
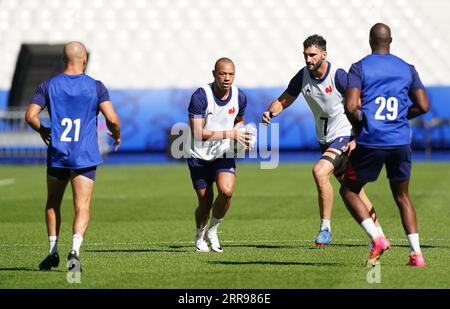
(142, 229)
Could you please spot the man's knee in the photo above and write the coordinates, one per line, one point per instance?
(205, 196)
(82, 209)
(400, 192)
(348, 187)
(206, 202)
(402, 199)
(56, 205)
(54, 199)
(225, 184)
(322, 173)
(226, 191)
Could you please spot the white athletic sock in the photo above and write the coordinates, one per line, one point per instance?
(370, 228)
(76, 243)
(200, 233)
(214, 224)
(325, 223)
(380, 230)
(414, 243)
(53, 241)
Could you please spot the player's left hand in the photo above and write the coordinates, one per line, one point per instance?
(349, 147)
(244, 139)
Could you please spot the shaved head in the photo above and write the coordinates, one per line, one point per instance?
(223, 73)
(223, 60)
(74, 53)
(380, 36)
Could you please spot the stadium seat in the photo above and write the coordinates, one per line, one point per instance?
(175, 36)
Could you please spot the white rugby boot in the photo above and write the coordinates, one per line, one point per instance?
(211, 236)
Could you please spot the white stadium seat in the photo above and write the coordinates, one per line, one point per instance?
(160, 43)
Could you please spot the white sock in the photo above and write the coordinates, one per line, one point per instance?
(200, 233)
(370, 228)
(325, 223)
(214, 224)
(380, 230)
(76, 243)
(414, 243)
(53, 241)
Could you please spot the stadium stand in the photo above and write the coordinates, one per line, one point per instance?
(158, 40)
(153, 53)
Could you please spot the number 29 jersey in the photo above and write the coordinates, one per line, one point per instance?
(385, 82)
(72, 102)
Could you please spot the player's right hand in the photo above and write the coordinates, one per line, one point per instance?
(117, 141)
(349, 148)
(266, 117)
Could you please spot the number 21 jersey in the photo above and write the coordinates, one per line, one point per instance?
(72, 102)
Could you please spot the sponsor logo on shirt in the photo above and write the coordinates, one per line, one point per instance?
(329, 90)
(231, 111)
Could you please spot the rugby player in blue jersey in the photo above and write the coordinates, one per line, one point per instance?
(73, 100)
(383, 83)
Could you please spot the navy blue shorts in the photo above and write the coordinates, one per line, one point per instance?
(365, 164)
(64, 173)
(203, 173)
(338, 143)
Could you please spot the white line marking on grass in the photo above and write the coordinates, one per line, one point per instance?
(6, 182)
(94, 244)
(277, 195)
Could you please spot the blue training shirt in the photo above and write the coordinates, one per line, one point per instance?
(72, 102)
(385, 82)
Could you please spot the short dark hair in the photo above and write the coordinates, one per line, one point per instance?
(316, 40)
(223, 59)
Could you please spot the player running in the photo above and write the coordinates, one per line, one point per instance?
(73, 100)
(216, 111)
(323, 87)
(384, 83)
